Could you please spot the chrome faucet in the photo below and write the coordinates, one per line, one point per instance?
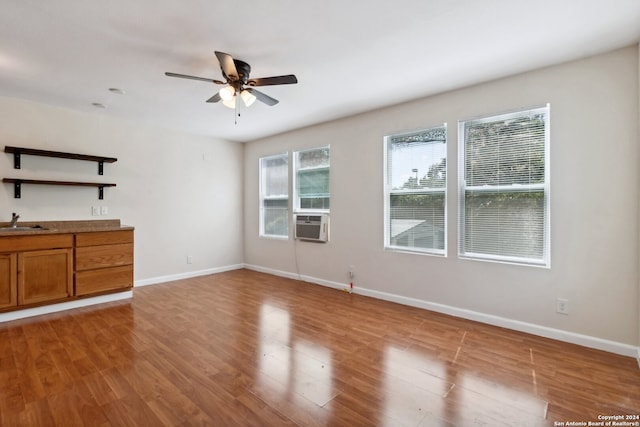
(14, 220)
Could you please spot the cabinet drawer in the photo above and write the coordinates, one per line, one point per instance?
(104, 238)
(34, 243)
(105, 279)
(91, 257)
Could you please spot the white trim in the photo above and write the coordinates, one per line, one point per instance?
(54, 308)
(274, 272)
(638, 358)
(275, 236)
(187, 275)
(530, 328)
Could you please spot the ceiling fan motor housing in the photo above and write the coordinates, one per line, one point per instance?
(243, 70)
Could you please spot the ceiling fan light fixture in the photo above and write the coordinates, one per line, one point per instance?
(236, 75)
(227, 93)
(247, 97)
(229, 103)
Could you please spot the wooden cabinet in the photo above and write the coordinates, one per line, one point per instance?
(104, 261)
(35, 269)
(45, 275)
(8, 279)
(39, 269)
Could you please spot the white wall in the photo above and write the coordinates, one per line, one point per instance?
(594, 203)
(180, 191)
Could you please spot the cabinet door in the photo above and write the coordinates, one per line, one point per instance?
(45, 275)
(8, 278)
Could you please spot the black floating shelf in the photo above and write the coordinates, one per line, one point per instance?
(18, 151)
(17, 185)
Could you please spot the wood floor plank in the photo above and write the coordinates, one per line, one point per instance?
(243, 348)
(131, 411)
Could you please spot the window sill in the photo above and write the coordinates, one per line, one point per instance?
(501, 260)
(311, 212)
(271, 237)
(404, 250)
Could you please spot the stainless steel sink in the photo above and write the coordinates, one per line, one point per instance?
(36, 227)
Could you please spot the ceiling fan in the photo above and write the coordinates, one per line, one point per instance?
(238, 84)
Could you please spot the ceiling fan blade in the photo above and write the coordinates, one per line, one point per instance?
(227, 65)
(262, 97)
(277, 80)
(184, 76)
(214, 98)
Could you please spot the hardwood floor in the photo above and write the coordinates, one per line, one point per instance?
(249, 349)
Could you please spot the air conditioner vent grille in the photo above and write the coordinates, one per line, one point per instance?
(312, 227)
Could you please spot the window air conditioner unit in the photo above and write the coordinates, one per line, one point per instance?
(313, 228)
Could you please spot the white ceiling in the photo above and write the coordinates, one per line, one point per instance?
(349, 56)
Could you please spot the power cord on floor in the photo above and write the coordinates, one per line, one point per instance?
(295, 253)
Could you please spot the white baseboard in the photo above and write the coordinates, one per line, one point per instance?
(638, 358)
(187, 275)
(54, 308)
(531, 328)
(301, 277)
(273, 271)
(543, 331)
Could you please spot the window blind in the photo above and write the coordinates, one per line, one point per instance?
(416, 180)
(274, 196)
(312, 173)
(504, 187)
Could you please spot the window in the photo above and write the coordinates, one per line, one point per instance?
(274, 196)
(312, 180)
(415, 191)
(504, 187)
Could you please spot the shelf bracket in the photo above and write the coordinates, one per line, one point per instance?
(100, 168)
(16, 160)
(101, 193)
(17, 190)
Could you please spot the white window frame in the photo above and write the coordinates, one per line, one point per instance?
(296, 169)
(389, 191)
(263, 197)
(545, 260)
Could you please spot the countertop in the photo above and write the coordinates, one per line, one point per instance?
(62, 227)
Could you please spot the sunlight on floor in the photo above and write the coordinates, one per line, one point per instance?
(422, 389)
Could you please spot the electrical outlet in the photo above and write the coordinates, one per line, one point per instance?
(562, 306)
(95, 210)
(351, 271)
(189, 259)
(104, 210)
